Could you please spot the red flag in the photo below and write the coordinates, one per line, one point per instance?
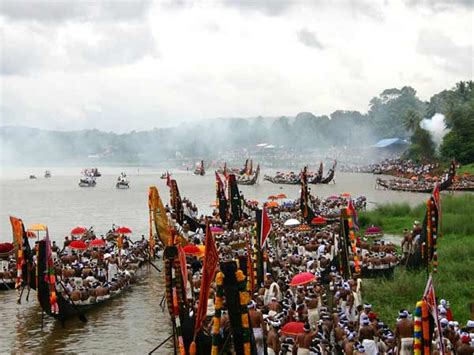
(184, 268)
(437, 201)
(266, 227)
(430, 298)
(211, 258)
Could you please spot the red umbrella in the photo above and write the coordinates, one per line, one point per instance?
(123, 230)
(217, 230)
(293, 328)
(373, 230)
(302, 279)
(78, 231)
(31, 234)
(6, 247)
(97, 243)
(192, 249)
(78, 244)
(319, 220)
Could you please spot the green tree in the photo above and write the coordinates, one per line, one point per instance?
(411, 120)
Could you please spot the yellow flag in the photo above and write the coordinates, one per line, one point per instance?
(158, 213)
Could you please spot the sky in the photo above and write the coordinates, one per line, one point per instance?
(135, 65)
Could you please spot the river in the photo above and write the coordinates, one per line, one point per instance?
(134, 322)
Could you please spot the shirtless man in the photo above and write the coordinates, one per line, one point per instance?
(366, 336)
(404, 333)
(256, 322)
(313, 312)
(303, 341)
(273, 340)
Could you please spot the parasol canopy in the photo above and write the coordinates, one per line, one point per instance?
(333, 197)
(272, 197)
(293, 328)
(302, 279)
(192, 249)
(6, 247)
(373, 230)
(319, 221)
(346, 194)
(78, 244)
(272, 204)
(31, 234)
(291, 222)
(78, 231)
(38, 227)
(303, 228)
(97, 243)
(123, 230)
(217, 230)
(281, 196)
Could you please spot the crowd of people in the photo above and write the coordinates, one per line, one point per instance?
(330, 307)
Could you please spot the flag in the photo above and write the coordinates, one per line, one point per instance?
(355, 218)
(184, 269)
(437, 201)
(265, 227)
(158, 214)
(429, 297)
(211, 258)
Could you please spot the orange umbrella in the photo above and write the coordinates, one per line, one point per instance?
(281, 196)
(272, 204)
(272, 197)
(346, 194)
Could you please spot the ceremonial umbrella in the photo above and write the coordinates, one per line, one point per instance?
(319, 220)
(78, 244)
(217, 230)
(38, 227)
(123, 230)
(272, 197)
(293, 328)
(272, 204)
(291, 222)
(346, 194)
(373, 232)
(97, 243)
(281, 196)
(31, 234)
(302, 279)
(192, 249)
(6, 248)
(303, 228)
(78, 231)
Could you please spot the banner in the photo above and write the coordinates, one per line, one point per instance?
(211, 259)
(159, 217)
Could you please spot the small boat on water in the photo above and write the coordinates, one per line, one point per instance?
(290, 179)
(87, 181)
(200, 170)
(47, 174)
(92, 172)
(165, 175)
(122, 182)
(32, 177)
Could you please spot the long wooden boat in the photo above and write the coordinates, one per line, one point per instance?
(282, 180)
(327, 179)
(64, 307)
(246, 180)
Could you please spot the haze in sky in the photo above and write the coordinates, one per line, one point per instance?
(125, 65)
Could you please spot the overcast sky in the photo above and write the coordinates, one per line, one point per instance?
(118, 65)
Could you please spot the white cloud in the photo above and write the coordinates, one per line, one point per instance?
(125, 65)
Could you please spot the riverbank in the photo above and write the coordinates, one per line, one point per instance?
(454, 279)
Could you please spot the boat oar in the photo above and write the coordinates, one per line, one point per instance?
(81, 315)
(154, 266)
(6, 285)
(161, 344)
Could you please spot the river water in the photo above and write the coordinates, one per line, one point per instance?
(133, 323)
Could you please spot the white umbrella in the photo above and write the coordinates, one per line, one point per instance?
(292, 222)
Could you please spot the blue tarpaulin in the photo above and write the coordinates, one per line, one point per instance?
(384, 143)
